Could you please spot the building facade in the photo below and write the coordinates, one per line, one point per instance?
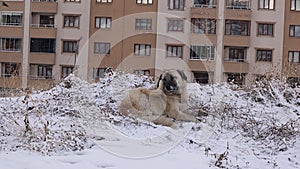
(213, 41)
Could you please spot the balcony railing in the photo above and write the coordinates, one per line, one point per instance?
(204, 6)
(44, 0)
(234, 60)
(239, 7)
(42, 25)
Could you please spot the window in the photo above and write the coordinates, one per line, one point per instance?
(104, 1)
(205, 3)
(70, 46)
(99, 73)
(66, 70)
(144, 2)
(10, 69)
(142, 49)
(236, 27)
(202, 26)
(176, 5)
(264, 55)
(46, 21)
(142, 72)
(103, 22)
(294, 56)
(201, 77)
(235, 78)
(42, 45)
(265, 29)
(294, 30)
(101, 48)
(266, 4)
(174, 50)
(71, 0)
(41, 71)
(175, 25)
(202, 52)
(143, 24)
(71, 21)
(295, 5)
(11, 18)
(238, 4)
(10, 45)
(236, 55)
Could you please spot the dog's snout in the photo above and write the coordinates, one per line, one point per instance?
(170, 88)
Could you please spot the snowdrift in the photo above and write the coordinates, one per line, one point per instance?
(237, 127)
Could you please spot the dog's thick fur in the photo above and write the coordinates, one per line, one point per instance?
(163, 105)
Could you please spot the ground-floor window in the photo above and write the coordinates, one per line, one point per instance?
(201, 77)
(236, 78)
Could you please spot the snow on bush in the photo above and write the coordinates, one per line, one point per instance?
(56, 121)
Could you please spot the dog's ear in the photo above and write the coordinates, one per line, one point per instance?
(182, 74)
(159, 79)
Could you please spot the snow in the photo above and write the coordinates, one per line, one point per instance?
(77, 125)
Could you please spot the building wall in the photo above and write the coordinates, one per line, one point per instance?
(122, 36)
(290, 43)
(82, 34)
(275, 43)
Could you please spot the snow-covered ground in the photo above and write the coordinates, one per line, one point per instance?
(77, 125)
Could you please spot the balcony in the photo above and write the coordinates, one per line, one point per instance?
(11, 82)
(44, 6)
(238, 10)
(42, 58)
(238, 4)
(12, 6)
(236, 40)
(236, 66)
(40, 84)
(7, 31)
(43, 31)
(204, 10)
(202, 65)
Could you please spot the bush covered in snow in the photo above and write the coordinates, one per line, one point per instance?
(265, 118)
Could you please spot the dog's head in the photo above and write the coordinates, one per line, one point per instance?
(172, 82)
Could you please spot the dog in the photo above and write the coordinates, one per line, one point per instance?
(164, 104)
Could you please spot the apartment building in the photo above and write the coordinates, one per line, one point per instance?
(213, 41)
(291, 47)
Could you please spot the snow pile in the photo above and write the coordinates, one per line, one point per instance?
(237, 127)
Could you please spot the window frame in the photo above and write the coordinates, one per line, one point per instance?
(138, 52)
(107, 48)
(233, 54)
(97, 73)
(294, 31)
(45, 69)
(264, 5)
(140, 21)
(74, 47)
(69, 16)
(179, 8)
(175, 22)
(292, 60)
(196, 52)
(75, 1)
(177, 47)
(11, 14)
(141, 2)
(247, 23)
(106, 22)
(16, 46)
(51, 42)
(266, 59)
(208, 26)
(10, 69)
(68, 72)
(102, 1)
(263, 29)
(295, 6)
